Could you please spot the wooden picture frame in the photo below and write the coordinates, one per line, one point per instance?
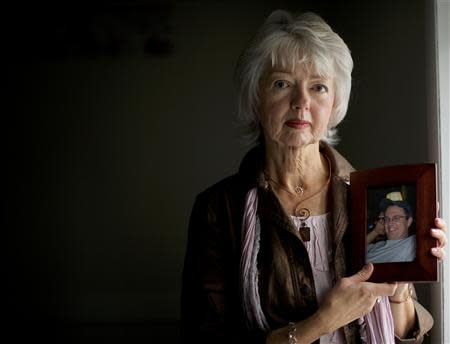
(420, 182)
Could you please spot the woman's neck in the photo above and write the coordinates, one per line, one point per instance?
(296, 167)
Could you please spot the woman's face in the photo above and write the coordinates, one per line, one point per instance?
(295, 107)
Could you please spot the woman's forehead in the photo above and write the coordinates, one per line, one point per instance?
(305, 66)
(303, 70)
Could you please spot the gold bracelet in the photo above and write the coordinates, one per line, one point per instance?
(408, 297)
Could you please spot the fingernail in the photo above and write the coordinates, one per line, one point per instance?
(435, 230)
(435, 250)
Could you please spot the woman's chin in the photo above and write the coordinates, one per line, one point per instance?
(301, 143)
(292, 142)
(300, 140)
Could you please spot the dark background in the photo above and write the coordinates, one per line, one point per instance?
(117, 113)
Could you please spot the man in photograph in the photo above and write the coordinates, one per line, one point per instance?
(394, 223)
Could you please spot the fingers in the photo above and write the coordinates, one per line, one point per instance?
(363, 274)
(376, 289)
(381, 230)
(439, 234)
(384, 289)
(440, 223)
(402, 287)
(438, 252)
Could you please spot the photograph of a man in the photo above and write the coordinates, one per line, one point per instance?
(393, 226)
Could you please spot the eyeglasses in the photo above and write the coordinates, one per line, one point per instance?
(387, 219)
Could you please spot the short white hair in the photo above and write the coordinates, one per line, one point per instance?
(284, 41)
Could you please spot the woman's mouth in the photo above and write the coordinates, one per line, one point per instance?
(297, 123)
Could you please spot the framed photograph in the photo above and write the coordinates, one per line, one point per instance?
(393, 210)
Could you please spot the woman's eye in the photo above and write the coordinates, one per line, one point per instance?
(280, 84)
(320, 88)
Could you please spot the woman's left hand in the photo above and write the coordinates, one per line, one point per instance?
(439, 234)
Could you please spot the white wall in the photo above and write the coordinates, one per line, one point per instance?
(441, 293)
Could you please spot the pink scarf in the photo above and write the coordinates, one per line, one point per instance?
(376, 327)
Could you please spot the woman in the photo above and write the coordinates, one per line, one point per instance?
(266, 259)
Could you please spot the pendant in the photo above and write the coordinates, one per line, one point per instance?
(304, 231)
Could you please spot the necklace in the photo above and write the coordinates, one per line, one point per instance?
(302, 212)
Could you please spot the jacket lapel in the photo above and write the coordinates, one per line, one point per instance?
(340, 223)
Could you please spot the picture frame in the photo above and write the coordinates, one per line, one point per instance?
(376, 196)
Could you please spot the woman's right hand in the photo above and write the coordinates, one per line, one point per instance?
(351, 298)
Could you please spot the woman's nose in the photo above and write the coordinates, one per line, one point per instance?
(301, 100)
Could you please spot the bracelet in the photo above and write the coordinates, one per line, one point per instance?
(408, 297)
(292, 335)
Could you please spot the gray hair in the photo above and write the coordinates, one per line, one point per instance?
(284, 41)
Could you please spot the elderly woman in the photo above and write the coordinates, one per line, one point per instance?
(266, 259)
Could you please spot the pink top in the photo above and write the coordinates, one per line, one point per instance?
(320, 256)
(375, 327)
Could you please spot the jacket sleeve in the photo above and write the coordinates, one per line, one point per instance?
(210, 301)
(424, 322)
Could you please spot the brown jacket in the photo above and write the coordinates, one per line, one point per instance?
(210, 301)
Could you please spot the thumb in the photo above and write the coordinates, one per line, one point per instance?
(363, 274)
